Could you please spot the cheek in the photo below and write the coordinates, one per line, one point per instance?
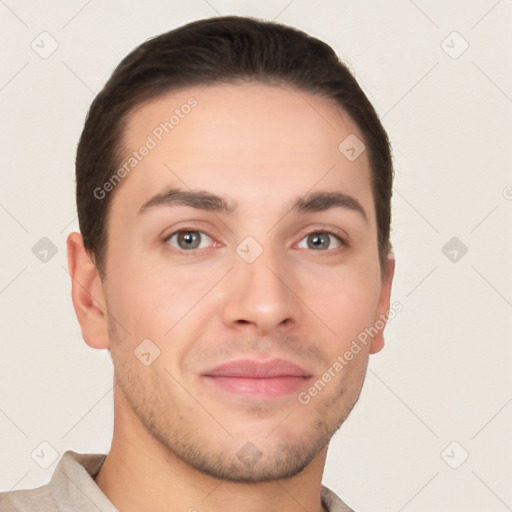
(344, 299)
(158, 301)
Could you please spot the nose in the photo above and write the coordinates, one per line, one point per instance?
(261, 296)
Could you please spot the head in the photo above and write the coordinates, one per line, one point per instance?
(233, 195)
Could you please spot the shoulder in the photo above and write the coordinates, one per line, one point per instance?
(71, 485)
(28, 500)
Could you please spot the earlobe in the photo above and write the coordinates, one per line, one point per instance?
(87, 294)
(383, 307)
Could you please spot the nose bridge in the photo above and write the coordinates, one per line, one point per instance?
(260, 287)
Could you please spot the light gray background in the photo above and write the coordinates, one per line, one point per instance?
(444, 374)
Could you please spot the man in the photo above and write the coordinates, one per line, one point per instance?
(233, 193)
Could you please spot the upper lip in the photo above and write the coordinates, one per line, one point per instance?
(254, 369)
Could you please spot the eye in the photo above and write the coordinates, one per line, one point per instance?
(188, 239)
(320, 240)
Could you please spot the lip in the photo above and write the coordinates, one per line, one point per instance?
(260, 379)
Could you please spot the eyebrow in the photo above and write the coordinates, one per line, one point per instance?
(204, 200)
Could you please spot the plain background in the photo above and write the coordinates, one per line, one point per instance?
(444, 374)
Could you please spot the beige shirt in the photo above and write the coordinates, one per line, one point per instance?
(72, 488)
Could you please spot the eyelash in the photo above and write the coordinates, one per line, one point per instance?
(342, 241)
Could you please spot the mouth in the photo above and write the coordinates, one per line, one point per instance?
(252, 378)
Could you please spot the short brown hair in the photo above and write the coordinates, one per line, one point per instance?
(225, 49)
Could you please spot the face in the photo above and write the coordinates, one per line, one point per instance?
(248, 299)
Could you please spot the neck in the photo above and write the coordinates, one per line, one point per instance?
(139, 473)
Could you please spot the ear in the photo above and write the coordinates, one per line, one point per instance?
(87, 294)
(377, 343)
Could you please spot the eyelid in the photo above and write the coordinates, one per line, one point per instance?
(187, 227)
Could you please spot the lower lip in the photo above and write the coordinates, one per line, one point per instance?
(265, 388)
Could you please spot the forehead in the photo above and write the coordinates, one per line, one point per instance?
(255, 139)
